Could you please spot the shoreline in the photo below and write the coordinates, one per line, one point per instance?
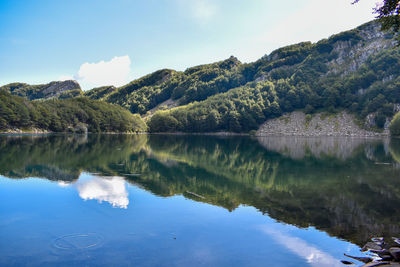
(301, 135)
(297, 123)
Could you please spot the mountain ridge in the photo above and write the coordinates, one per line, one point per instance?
(356, 70)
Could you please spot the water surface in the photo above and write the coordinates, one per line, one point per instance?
(194, 200)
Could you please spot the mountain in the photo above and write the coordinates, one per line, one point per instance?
(357, 71)
(195, 84)
(61, 89)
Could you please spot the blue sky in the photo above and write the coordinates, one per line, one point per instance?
(101, 42)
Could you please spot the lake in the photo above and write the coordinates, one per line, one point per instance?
(155, 200)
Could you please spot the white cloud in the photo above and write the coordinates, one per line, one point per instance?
(109, 189)
(200, 10)
(114, 72)
(204, 9)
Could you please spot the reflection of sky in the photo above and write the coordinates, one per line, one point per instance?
(190, 233)
(300, 247)
(109, 189)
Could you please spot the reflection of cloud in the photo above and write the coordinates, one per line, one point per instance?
(63, 184)
(109, 189)
(312, 255)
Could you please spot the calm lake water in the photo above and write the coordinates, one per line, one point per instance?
(194, 200)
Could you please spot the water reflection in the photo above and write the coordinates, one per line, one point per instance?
(108, 189)
(349, 188)
(111, 189)
(299, 147)
(312, 255)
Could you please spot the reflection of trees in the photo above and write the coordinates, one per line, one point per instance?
(350, 198)
(394, 149)
(63, 157)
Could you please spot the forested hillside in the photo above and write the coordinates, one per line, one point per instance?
(62, 90)
(195, 84)
(356, 70)
(66, 115)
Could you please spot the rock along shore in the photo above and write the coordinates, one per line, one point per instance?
(319, 124)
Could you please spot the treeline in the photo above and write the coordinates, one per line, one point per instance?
(66, 115)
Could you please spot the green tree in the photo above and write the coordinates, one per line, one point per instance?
(212, 120)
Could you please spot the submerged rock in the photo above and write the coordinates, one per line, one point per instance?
(382, 254)
(395, 252)
(347, 262)
(371, 246)
(362, 259)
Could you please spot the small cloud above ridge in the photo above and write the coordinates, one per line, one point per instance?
(113, 72)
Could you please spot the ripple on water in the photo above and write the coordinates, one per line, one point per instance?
(78, 241)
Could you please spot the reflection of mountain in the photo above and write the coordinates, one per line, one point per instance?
(298, 147)
(351, 193)
(63, 157)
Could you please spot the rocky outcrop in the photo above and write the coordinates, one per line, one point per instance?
(55, 88)
(320, 124)
(167, 104)
(350, 57)
(80, 128)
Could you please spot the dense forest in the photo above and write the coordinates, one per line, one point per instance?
(62, 115)
(357, 71)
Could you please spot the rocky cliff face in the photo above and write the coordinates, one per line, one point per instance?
(56, 88)
(347, 52)
(353, 51)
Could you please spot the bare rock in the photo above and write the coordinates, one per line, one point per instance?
(395, 252)
(371, 246)
(56, 88)
(299, 124)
